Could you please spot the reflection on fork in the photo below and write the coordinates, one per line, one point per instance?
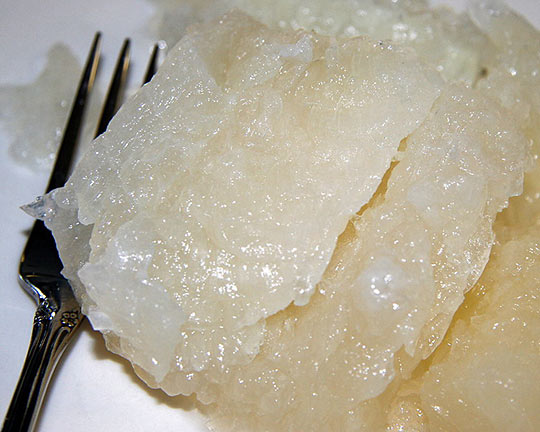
(58, 314)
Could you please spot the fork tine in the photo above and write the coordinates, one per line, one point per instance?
(71, 132)
(117, 83)
(152, 64)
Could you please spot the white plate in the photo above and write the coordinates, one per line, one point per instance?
(92, 389)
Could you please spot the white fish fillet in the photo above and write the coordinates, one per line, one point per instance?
(222, 186)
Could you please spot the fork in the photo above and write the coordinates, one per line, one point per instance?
(58, 314)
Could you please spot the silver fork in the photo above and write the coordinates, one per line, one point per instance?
(58, 314)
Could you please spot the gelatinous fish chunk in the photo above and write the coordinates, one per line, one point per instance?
(399, 273)
(441, 37)
(33, 115)
(218, 193)
(447, 40)
(486, 374)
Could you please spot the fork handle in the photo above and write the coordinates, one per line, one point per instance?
(52, 331)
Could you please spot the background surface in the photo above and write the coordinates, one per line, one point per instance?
(92, 389)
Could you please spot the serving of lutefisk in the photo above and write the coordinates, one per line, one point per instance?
(322, 216)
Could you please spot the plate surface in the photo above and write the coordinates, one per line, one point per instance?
(92, 389)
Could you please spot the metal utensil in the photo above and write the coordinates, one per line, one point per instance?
(58, 314)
